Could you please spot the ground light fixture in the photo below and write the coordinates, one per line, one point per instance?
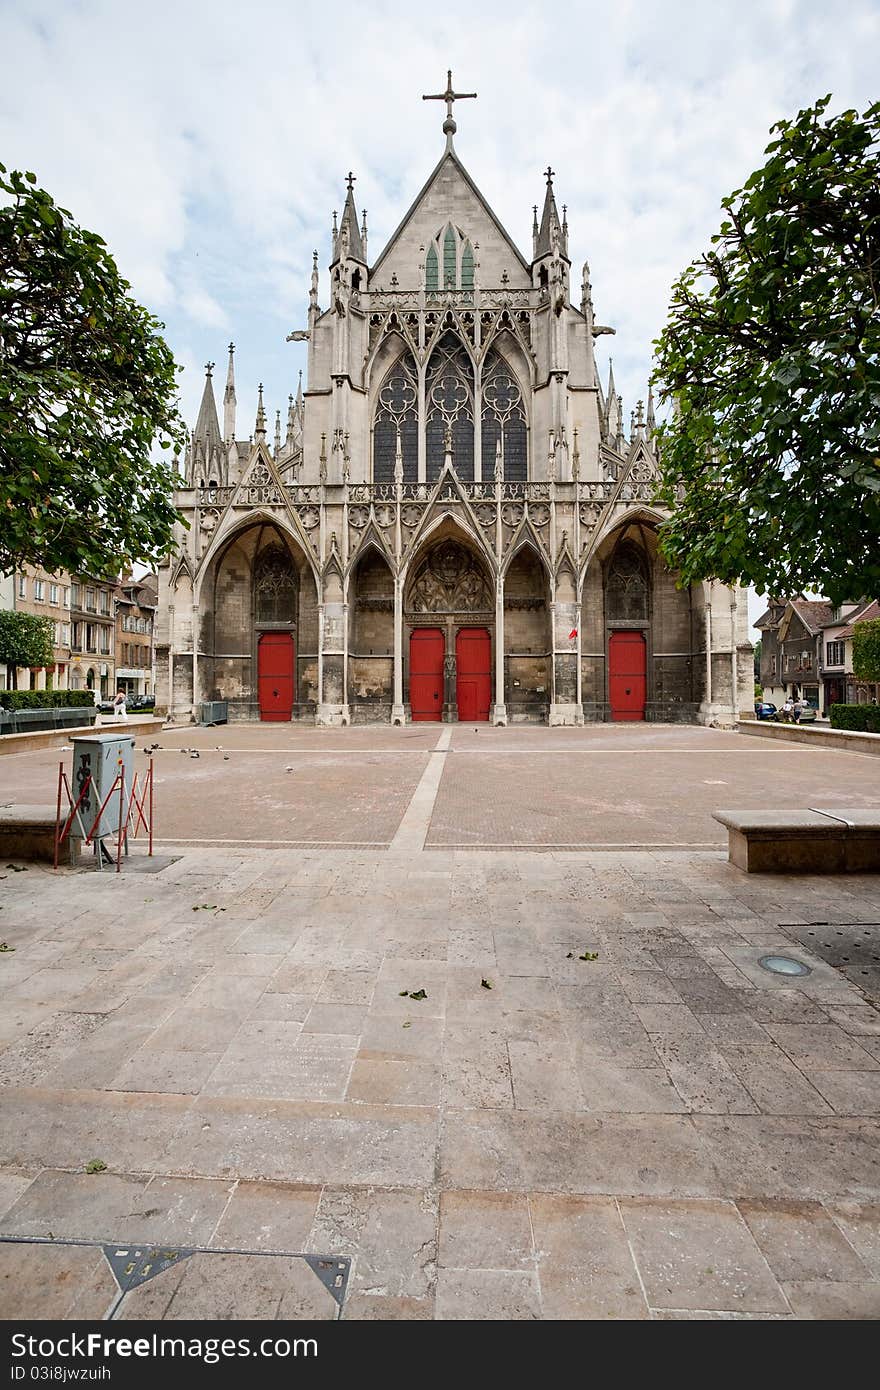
(784, 965)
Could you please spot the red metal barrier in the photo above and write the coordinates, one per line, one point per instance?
(134, 810)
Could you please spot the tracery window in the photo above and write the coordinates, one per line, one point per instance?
(449, 258)
(432, 269)
(626, 590)
(450, 250)
(397, 414)
(503, 423)
(275, 586)
(449, 409)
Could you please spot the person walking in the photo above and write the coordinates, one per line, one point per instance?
(119, 711)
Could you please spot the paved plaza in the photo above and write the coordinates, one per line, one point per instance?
(379, 1008)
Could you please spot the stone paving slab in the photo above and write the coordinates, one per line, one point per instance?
(662, 1131)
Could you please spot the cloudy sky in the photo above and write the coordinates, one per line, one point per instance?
(208, 142)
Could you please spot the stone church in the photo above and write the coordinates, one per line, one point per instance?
(456, 524)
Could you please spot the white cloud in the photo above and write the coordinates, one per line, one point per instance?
(207, 142)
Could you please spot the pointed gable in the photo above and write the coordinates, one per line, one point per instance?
(450, 196)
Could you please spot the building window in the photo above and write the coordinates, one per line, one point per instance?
(275, 586)
(503, 429)
(39, 591)
(432, 271)
(626, 591)
(75, 595)
(65, 634)
(449, 409)
(105, 601)
(773, 665)
(67, 596)
(834, 653)
(397, 420)
(53, 593)
(22, 586)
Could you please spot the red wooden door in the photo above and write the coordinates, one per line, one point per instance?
(275, 667)
(627, 675)
(427, 648)
(473, 664)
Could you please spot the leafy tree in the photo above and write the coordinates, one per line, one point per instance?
(25, 640)
(866, 650)
(771, 460)
(87, 386)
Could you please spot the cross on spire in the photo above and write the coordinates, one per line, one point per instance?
(449, 96)
(209, 367)
(350, 180)
(548, 174)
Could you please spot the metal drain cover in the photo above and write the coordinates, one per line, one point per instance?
(853, 948)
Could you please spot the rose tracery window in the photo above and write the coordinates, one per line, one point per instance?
(626, 592)
(449, 409)
(397, 415)
(275, 586)
(503, 423)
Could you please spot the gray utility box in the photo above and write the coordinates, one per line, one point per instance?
(215, 712)
(104, 756)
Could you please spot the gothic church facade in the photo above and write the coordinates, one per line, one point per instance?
(455, 525)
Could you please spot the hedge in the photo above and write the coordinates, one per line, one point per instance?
(861, 719)
(45, 699)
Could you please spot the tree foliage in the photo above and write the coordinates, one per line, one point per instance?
(771, 460)
(866, 650)
(87, 385)
(26, 640)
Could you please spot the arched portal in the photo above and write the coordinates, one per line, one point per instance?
(528, 652)
(449, 631)
(638, 633)
(371, 638)
(259, 627)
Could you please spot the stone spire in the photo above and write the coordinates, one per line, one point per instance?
(260, 426)
(313, 291)
(651, 422)
(364, 232)
(277, 433)
(349, 235)
(207, 426)
(549, 219)
(229, 399)
(534, 231)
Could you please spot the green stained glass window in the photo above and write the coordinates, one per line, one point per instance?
(467, 267)
(432, 270)
(449, 267)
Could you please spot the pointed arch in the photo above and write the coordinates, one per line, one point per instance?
(525, 538)
(450, 247)
(504, 430)
(467, 267)
(432, 269)
(396, 422)
(449, 408)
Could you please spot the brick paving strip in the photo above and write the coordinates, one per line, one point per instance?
(664, 1131)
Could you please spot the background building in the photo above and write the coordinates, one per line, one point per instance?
(92, 631)
(32, 590)
(806, 651)
(136, 601)
(457, 522)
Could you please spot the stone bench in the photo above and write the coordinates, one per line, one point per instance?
(27, 832)
(814, 841)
